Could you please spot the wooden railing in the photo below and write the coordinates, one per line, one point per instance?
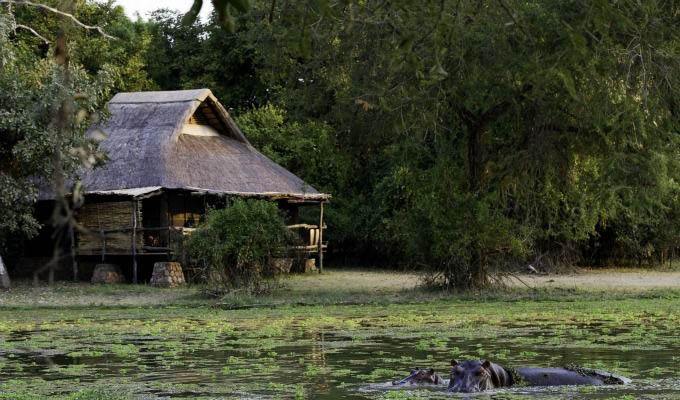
(311, 235)
(310, 239)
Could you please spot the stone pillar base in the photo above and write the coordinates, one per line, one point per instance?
(309, 265)
(167, 274)
(107, 274)
(282, 265)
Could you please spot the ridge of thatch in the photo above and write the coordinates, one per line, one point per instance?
(171, 96)
(146, 148)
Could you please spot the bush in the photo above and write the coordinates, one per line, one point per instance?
(236, 244)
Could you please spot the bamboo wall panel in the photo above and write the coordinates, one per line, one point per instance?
(97, 217)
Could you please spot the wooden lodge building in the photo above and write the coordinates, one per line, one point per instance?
(171, 155)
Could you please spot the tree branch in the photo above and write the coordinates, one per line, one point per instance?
(56, 11)
(36, 34)
(512, 16)
(271, 11)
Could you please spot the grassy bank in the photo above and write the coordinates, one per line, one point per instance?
(349, 286)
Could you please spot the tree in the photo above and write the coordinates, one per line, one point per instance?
(487, 133)
(460, 137)
(222, 9)
(122, 51)
(203, 55)
(45, 107)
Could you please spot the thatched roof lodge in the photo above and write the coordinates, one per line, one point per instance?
(171, 154)
(186, 140)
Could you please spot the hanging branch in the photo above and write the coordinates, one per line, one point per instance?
(36, 34)
(56, 11)
(271, 11)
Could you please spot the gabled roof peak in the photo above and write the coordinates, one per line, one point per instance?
(166, 96)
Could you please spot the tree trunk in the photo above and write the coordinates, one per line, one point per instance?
(50, 275)
(4, 276)
(50, 267)
(478, 270)
(474, 157)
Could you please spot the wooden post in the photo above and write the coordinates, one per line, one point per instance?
(103, 236)
(164, 235)
(73, 254)
(184, 252)
(321, 237)
(134, 241)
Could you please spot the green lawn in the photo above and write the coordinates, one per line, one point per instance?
(347, 286)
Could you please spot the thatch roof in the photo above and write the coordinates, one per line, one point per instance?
(149, 145)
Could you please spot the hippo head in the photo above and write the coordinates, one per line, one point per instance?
(470, 376)
(420, 376)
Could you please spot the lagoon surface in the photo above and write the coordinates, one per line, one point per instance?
(333, 352)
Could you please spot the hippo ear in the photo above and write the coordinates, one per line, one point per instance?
(454, 363)
(486, 364)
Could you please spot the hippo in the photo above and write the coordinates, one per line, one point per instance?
(421, 376)
(475, 376)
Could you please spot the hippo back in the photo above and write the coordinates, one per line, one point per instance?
(555, 377)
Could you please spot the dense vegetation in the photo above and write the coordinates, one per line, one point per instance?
(46, 104)
(459, 137)
(238, 244)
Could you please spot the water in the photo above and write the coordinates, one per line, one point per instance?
(295, 357)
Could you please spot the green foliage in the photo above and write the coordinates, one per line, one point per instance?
(31, 92)
(123, 58)
(487, 135)
(420, 92)
(237, 243)
(184, 56)
(458, 137)
(308, 148)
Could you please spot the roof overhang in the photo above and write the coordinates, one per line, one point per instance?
(150, 191)
(137, 193)
(315, 197)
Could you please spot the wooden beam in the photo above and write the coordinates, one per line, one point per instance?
(311, 249)
(299, 226)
